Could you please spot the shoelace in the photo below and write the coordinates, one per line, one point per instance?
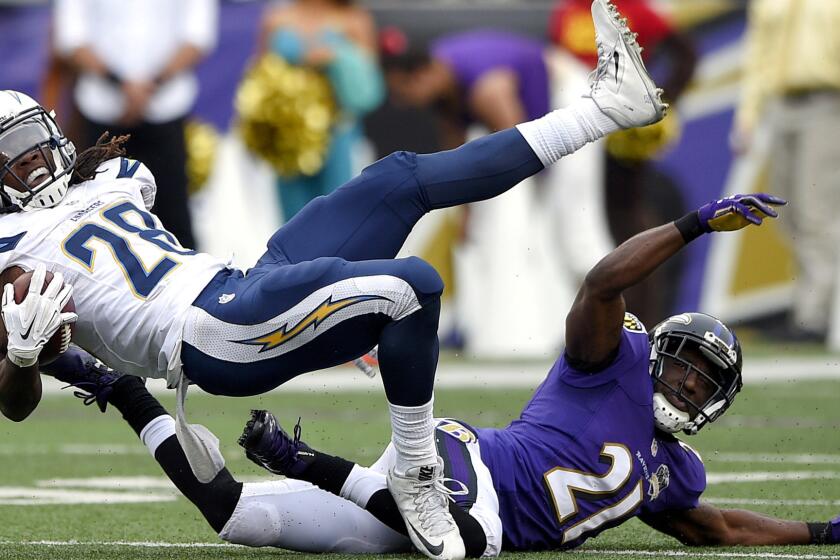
(97, 390)
(296, 433)
(432, 503)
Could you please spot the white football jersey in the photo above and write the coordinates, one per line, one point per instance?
(132, 281)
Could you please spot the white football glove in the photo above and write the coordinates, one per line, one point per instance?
(31, 323)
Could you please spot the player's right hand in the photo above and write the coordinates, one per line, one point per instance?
(31, 323)
(738, 211)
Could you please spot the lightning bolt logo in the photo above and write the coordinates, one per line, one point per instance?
(284, 334)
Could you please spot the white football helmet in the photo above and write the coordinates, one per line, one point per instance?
(26, 128)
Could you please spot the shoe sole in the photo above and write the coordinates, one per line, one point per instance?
(415, 538)
(635, 54)
(248, 431)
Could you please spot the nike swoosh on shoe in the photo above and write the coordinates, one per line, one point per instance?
(434, 549)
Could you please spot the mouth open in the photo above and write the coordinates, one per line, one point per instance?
(37, 177)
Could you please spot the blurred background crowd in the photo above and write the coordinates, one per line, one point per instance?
(246, 110)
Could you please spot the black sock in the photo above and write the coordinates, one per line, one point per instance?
(326, 472)
(134, 401)
(215, 500)
(475, 540)
(382, 506)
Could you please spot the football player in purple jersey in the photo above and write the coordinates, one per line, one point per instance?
(594, 447)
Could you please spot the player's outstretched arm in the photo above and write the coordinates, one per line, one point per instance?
(27, 326)
(707, 525)
(593, 325)
(20, 390)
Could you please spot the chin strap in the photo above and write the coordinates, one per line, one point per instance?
(666, 416)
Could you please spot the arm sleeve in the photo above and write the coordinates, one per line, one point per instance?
(630, 362)
(287, 44)
(71, 25)
(148, 187)
(682, 483)
(355, 78)
(201, 24)
(140, 175)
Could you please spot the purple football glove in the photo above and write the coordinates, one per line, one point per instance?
(834, 530)
(738, 211)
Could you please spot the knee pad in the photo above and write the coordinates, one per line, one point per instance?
(296, 515)
(423, 278)
(255, 521)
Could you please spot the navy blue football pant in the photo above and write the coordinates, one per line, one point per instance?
(329, 288)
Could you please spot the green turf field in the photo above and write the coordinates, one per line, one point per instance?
(787, 435)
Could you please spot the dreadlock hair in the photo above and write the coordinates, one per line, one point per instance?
(106, 147)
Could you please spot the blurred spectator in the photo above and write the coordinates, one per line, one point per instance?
(339, 37)
(135, 61)
(792, 85)
(637, 196)
(495, 78)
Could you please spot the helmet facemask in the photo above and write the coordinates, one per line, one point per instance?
(35, 130)
(721, 378)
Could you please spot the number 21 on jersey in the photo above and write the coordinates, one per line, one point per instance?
(564, 485)
(142, 280)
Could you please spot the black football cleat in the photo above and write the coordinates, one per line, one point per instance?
(94, 379)
(270, 447)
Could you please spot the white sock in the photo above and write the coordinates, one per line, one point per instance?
(157, 431)
(413, 434)
(361, 484)
(565, 131)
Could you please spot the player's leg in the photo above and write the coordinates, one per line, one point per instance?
(370, 217)
(248, 334)
(278, 322)
(476, 516)
(289, 514)
(155, 427)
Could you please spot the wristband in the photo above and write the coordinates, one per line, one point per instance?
(821, 533)
(689, 226)
(20, 361)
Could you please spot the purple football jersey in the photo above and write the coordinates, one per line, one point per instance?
(584, 455)
(472, 54)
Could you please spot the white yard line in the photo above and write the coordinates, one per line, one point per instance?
(134, 544)
(28, 496)
(588, 551)
(764, 502)
(695, 554)
(769, 476)
(785, 458)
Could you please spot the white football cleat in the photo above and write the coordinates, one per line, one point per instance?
(423, 501)
(620, 85)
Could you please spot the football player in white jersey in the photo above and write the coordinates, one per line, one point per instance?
(328, 288)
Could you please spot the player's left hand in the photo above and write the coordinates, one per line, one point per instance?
(738, 211)
(31, 323)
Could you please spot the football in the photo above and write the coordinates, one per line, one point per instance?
(62, 337)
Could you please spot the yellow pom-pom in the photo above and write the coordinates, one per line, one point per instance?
(202, 140)
(286, 114)
(647, 142)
